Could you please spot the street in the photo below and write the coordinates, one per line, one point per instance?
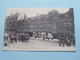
(37, 44)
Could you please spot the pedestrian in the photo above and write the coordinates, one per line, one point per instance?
(27, 38)
(63, 41)
(15, 37)
(69, 41)
(43, 36)
(59, 39)
(5, 44)
(19, 37)
(22, 37)
(11, 39)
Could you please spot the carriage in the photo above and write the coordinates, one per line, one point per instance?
(13, 37)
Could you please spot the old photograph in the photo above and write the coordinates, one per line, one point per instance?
(39, 29)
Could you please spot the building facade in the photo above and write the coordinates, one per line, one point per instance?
(10, 23)
(43, 23)
(46, 23)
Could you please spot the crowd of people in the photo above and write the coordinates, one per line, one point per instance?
(63, 39)
(14, 38)
(24, 37)
(66, 40)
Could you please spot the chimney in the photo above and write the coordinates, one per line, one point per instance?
(25, 16)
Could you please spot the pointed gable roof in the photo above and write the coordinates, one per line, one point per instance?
(56, 16)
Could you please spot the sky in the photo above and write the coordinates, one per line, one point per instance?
(30, 12)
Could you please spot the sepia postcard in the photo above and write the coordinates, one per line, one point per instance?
(39, 29)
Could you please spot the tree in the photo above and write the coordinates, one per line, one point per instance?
(52, 13)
